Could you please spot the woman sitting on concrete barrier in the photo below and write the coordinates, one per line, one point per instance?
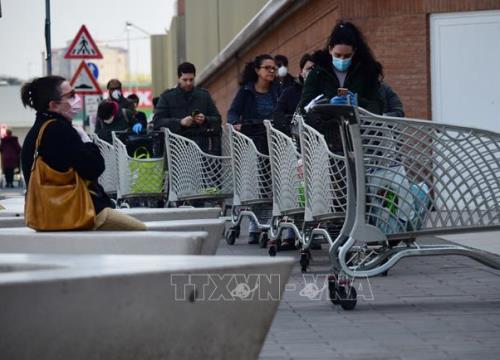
(64, 146)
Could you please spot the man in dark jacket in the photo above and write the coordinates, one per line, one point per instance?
(283, 77)
(290, 98)
(190, 112)
(10, 150)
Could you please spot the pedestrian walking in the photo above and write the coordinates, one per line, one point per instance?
(10, 150)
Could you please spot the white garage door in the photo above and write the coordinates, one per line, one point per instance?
(465, 68)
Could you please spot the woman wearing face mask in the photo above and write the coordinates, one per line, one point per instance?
(64, 145)
(346, 62)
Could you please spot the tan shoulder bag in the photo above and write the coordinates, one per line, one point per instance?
(56, 200)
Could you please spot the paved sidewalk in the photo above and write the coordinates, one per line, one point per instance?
(426, 308)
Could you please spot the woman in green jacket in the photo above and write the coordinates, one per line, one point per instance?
(346, 62)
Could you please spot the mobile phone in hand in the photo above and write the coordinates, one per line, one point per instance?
(342, 91)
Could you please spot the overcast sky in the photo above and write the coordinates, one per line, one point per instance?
(22, 29)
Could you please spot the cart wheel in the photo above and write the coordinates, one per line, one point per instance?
(385, 273)
(304, 261)
(332, 291)
(272, 250)
(347, 298)
(237, 232)
(263, 240)
(230, 236)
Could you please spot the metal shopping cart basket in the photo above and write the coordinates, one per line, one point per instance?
(141, 168)
(109, 178)
(412, 178)
(288, 188)
(252, 196)
(326, 188)
(195, 175)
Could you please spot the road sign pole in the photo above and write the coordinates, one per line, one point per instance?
(47, 37)
(84, 112)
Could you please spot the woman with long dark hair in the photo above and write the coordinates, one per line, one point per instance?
(64, 146)
(346, 62)
(255, 101)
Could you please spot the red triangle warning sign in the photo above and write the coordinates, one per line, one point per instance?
(83, 46)
(84, 82)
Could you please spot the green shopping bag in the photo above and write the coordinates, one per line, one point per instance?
(146, 176)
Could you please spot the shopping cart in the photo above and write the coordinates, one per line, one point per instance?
(252, 186)
(195, 175)
(141, 169)
(412, 178)
(109, 178)
(288, 189)
(326, 188)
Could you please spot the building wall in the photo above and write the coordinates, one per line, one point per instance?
(160, 68)
(397, 31)
(304, 30)
(201, 29)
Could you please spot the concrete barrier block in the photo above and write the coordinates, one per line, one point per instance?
(137, 307)
(24, 240)
(213, 227)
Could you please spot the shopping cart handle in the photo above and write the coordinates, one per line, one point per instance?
(336, 112)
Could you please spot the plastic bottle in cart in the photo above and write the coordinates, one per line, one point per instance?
(301, 189)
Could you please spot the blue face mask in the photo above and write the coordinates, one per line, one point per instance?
(341, 64)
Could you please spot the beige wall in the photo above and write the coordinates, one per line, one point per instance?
(234, 15)
(202, 35)
(159, 48)
(212, 24)
(206, 27)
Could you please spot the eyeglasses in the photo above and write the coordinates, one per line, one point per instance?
(69, 95)
(269, 68)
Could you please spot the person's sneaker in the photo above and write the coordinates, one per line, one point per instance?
(253, 238)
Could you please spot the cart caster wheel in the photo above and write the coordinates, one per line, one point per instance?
(263, 240)
(332, 291)
(272, 250)
(385, 273)
(304, 261)
(237, 232)
(348, 298)
(230, 236)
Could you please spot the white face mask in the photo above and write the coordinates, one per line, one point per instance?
(116, 94)
(282, 71)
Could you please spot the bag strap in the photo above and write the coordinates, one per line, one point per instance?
(38, 141)
(39, 137)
